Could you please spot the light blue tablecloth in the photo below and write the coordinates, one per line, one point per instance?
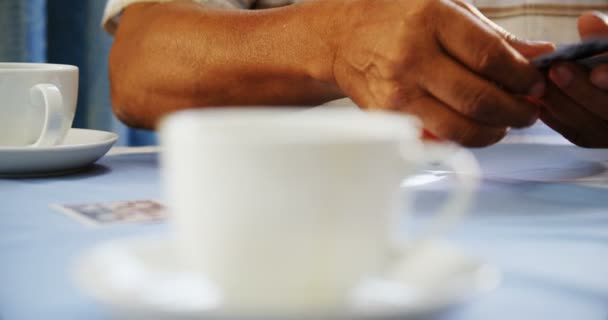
(550, 239)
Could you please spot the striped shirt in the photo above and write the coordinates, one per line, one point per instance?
(552, 20)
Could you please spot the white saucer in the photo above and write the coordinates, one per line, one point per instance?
(527, 162)
(140, 279)
(80, 149)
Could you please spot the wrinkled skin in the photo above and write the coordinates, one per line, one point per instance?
(440, 60)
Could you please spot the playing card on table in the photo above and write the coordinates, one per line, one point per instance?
(117, 212)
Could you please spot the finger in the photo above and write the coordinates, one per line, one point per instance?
(438, 119)
(475, 97)
(484, 51)
(566, 131)
(446, 124)
(571, 134)
(526, 48)
(585, 129)
(575, 82)
(599, 77)
(593, 24)
(531, 49)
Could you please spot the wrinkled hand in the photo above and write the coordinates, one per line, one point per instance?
(442, 61)
(576, 103)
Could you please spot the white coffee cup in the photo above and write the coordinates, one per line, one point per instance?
(37, 103)
(284, 210)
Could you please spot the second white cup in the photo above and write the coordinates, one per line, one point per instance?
(37, 103)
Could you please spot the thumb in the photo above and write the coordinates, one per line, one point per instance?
(530, 49)
(593, 24)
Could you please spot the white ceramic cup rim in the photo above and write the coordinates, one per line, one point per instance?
(24, 67)
(358, 127)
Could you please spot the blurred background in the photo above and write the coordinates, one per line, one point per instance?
(68, 32)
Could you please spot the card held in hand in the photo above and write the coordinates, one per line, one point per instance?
(589, 53)
(112, 213)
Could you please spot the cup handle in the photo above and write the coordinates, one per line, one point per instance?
(402, 256)
(467, 171)
(50, 96)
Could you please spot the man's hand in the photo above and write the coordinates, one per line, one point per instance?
(441, 61)
(576, 103)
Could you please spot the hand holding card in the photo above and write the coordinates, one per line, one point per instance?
(576, 101)
(589, 53)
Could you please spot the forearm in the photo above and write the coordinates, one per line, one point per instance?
(180, 55)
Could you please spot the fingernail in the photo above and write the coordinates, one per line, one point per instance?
(561, 76)
(600, 80)
(539, 43)
(538, 90)
(600, 15)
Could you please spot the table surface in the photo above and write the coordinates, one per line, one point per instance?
(549, 239)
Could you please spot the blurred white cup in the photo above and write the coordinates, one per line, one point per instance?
(285, 210)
